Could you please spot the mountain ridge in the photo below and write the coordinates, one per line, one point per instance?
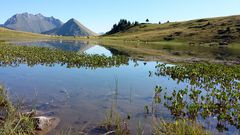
(40, 24)
(32, 23)
(71, 28)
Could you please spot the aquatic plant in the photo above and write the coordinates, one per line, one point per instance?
(214, 92)
(12, 55)
(113, 122)
(140, 128)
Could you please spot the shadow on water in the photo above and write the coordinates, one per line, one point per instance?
(117, 52)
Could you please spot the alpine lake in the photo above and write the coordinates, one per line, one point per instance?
(81, 96)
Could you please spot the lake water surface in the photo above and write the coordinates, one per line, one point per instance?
(80, 97)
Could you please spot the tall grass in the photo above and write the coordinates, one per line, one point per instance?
(113, 122)
(179, 127)
(12, 122)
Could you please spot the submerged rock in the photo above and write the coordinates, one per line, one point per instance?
(45, 124)
(43, 121)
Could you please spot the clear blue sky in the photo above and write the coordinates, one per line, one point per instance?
(100, 15)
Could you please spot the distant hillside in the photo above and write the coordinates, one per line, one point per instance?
(12, 35)
(71, 28)
(221, 30)
(32, 23)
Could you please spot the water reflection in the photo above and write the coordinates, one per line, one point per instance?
(96, 49)
(75, 46)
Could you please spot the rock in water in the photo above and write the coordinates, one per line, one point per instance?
(42, 122)
(45, 124)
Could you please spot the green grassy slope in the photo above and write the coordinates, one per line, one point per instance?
(209, 30)
(9, 35)
(12, 35)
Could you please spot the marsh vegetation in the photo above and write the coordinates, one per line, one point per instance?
(12, 55)
(211, 98)
(213, 92)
